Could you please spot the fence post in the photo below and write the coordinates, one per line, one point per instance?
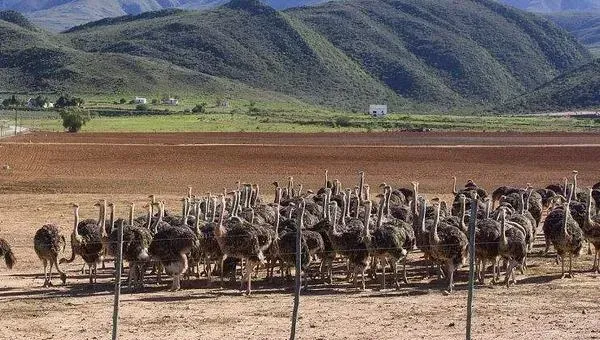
(298, 273)
(118, 268)
(472, 224)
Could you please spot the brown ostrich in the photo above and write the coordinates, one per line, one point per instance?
(48, 243)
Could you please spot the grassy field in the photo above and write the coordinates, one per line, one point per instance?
(306, 121)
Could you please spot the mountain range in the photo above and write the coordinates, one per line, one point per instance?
(58, 15)
(343, 54)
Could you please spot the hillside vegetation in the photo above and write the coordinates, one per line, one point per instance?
(579, 89)
(549, 6)
(585, 26)
(345, 54)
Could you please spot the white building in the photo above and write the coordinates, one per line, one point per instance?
(139, 100)
(378, 110)
(170, 101)
(31, 104)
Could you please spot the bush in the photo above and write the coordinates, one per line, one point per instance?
(200, 108)
(73, 120)
(154, 101)
(122, 101)
(343, 121)
(141, 107)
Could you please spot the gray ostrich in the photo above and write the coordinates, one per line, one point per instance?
(239, 241)
(512, 247)
(48, 243)
(448, 246)
(387, 243)
(352, 241)
(171, 245)
(86, 241)
(591, 231)
(565, 234)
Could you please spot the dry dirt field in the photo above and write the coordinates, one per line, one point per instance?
(46, 172)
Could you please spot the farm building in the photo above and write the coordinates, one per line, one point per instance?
(378, 110)
(170, 101)
(139, 100)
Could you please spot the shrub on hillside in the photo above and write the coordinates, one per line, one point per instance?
(200, 108)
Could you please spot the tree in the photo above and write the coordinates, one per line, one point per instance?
(122, 101)
(67, 101)
(200, 108)
(73, 120)
(12, 101)
(154, 101)
(141, 107)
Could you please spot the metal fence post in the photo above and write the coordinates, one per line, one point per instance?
(118, 268)
(298, 273)
(472, 224)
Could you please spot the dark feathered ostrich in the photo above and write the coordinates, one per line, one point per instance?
(351, 241)
(448, 247)
(48, 243)
(7, 253)
(512, 247)
(591, 231)
(170, 246)
(387, 242)
(240, 241)
(565, 234)
(136, 244)
(86, 241)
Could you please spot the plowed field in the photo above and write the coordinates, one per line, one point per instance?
(42, 173)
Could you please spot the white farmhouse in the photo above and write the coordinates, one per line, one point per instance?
(378, 110)
(170, 101)
(139, 100)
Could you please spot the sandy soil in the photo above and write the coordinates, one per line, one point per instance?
(44, 177)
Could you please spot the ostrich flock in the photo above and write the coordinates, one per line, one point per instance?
(238, 230)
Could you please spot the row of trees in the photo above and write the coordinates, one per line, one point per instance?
(41, 101)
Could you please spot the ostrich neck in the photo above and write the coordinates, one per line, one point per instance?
(416, 194)
(112, 219)
(333, 226)
(588, 211)
(388, 198)
(463, 214)
(454, 187)
(75, 231)
(361, 183)
(434, 238)
(422, 217)
(380, 214)
(566, 220)
(277, 217)
(131, 215)
(503, 240)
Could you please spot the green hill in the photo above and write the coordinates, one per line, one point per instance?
(435, 50)
(585, 26)
(344, 54)
(578, 89)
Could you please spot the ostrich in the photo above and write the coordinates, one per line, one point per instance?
(48, 243)
(7, 253)
(386, 243)
(170, 246)
(136, 241)
(565, 234)
(502, 191)
(448, 246)
(591, 231)
(86, 241)
(285, 246)
(208, 243)
(512, 247)
(352, 242)
(239, 241)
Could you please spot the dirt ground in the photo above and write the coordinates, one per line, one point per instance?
(42, 174)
